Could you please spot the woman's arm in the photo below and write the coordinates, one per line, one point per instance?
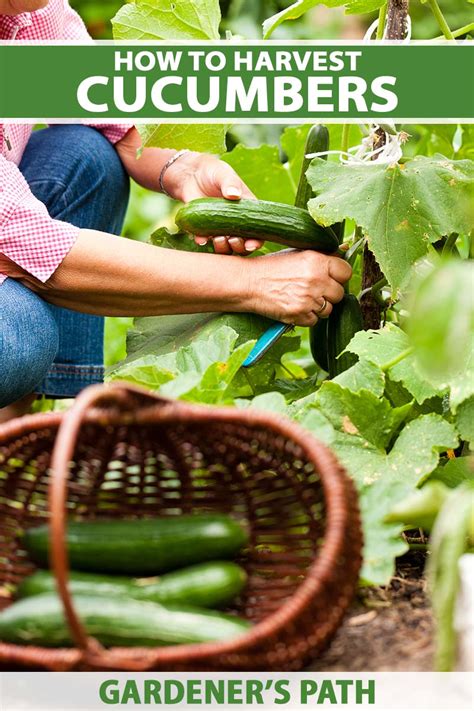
(107, 275)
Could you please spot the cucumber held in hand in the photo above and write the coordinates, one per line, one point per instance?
(205, 585)
(256, 219)
(40, 621)
(144, 546)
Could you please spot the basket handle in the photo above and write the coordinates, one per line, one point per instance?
(63, 453)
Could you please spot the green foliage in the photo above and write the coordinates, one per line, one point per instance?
(386, 418)
(401, 209)
(300, 7)
(420, 509)
(172, 20)
(390, 349)
(207, 138)
(168, 20)
(441, 327)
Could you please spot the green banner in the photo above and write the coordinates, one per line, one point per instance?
(230, 81)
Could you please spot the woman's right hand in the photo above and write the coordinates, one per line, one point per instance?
(297, 287)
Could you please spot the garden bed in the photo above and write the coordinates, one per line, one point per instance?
(388, 628)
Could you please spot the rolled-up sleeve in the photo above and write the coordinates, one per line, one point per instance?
(29, 237)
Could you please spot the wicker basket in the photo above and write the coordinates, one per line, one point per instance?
(123, 453)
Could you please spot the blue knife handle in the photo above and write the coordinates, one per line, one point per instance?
(265, 342)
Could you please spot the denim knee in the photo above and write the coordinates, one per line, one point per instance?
(29, 341)
(77, 173)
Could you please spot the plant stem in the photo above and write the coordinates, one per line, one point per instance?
(395, 361)
(382, 20)
(460, 32)
(345, 137)
(450, 243)
(441, 20)
(287, 370)
(379, 285)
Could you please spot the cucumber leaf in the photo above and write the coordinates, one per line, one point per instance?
(441, 326)
(168, 20)
(263, 172)
(147, 20)
(400, 208)
(383, 347)
(454, 472)
(384, 473)
(364, 375)
(208, 138)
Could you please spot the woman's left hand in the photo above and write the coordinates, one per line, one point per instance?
(200, 175)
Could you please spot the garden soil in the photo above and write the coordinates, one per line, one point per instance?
(386, 629)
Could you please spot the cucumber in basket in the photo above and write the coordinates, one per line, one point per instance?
(142, 546)
(40, 621)
(205, 585)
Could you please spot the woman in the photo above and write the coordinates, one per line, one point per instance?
(63, 197)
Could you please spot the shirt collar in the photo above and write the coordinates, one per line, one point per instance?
(9, 23)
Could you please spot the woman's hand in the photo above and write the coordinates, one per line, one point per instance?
(192, 176)
(298, 287)
(200, 175)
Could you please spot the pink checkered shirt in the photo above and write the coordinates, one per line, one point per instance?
(29, 237)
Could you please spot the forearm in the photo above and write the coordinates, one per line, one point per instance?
(110, 276)
(146, 168)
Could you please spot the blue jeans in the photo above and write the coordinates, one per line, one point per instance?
(78, 175)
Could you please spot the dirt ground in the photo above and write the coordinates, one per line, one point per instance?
(386, 629)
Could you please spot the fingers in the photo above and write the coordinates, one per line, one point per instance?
(230, 245)
(339, 270)
(229, 185)
(221, 245)
(325, 308)
(333, 291)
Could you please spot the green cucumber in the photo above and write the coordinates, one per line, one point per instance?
(205, 585)
(256, 219)
(40, 621)
(344, 322)
(317, 141)
(143, 546)
(318, 341)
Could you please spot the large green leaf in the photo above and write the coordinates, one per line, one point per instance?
(209, 138)
(383, 542)
(441, 326)
(400, 208)
(261, 169)
(153, 343)
(168, 20)
(364, 375)
(384, 473)
(300, 7)
(201, 370)
(384, 347)
(173, 20)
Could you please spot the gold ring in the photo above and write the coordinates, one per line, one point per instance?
(325, 303)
